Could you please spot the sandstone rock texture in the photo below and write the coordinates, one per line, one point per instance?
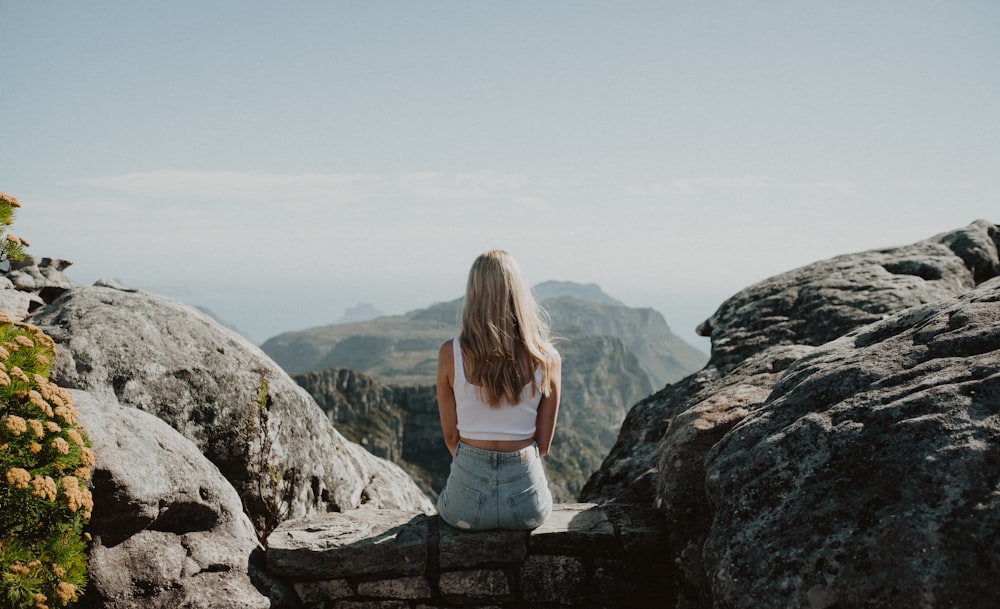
(841, 447)
(149, 352)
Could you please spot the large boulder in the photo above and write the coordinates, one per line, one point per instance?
(667, 445)
(871, 475)
(804, 307)
(263, 432)
(168, 529)
(824, 300)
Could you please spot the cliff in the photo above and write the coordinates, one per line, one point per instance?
(840, 448)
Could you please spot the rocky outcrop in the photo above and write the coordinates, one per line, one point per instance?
(168, 529)
(146, 351)
(839, 449)
(871, 475)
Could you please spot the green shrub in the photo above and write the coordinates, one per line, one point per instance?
(45, 465)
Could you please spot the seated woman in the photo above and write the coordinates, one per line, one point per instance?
(498, 388)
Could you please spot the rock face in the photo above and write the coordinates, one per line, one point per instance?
(169, 530)
(840, 448)
(872, 471)
(152, 353)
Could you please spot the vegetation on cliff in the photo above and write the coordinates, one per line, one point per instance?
(45, 464)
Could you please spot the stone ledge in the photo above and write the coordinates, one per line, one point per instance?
(584, 555)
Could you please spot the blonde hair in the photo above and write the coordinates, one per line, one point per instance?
(505, 334)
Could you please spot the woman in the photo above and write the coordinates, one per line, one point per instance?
(498, 394)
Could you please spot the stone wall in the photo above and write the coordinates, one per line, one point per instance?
(583, 556)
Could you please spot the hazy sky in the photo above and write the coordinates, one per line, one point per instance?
(278, 163)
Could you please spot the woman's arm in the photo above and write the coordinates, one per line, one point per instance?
(446, 395)
(548, 408)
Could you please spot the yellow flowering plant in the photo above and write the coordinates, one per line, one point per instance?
(46, 462)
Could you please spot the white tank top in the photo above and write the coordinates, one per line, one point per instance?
(477, 421)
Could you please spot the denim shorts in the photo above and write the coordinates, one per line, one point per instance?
(491, 490)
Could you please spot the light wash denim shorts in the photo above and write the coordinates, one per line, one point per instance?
(491, 490)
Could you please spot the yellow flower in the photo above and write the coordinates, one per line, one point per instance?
(52, 427)
(13, 239)
(87, 457)
(9, 200)
(35, 448)
(34, 564)
(83, 473)
(4, 354)
(16, 371)
(67, 413)
(61, 446)
(36, 426)
(41, 360)
(58, 571)
(23, 340)
(65, 591)
(16, 425)
(75, 436)
(18, 569)
(40, 601)
(24, 242)
(44, 488)
(4, 379)
(18, 478)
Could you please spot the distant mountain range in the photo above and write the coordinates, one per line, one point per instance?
(375, 378)
(402, 349)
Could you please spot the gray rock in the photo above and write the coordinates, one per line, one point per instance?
(869, 476)
(389, 543)
(40, 275)
(804, 307)
(666, 444)
(149, 352)
(824, 300)
(16, 304)
(168, 529)
(106, 282)
(471, 587)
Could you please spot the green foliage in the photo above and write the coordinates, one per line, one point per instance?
(11, 247)
(45, 465)
(268, 504)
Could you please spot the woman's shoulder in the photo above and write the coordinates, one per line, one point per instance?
(447, 348)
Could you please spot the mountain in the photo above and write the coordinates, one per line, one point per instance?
(359, 312)
(402, 349)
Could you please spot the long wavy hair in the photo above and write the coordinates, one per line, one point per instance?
(505, 333)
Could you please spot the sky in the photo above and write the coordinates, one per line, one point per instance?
(279, 163)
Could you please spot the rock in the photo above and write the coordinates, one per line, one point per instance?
(168, 529)
(41, 276)
(169, 359)
(16, 304)
(360, 542)
(870, 476)
(106, 282)
(761, 337)
(804, 307)
(824, 300)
